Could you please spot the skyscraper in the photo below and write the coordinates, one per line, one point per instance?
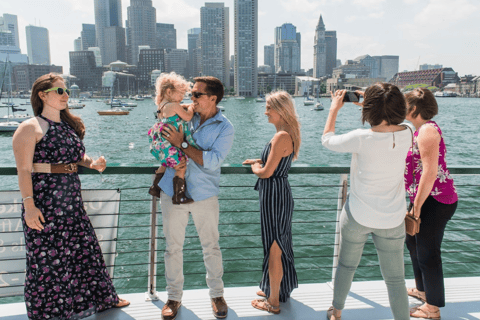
(77, 44)
(193, 48)
(320, 51)
(38, 45)
(287, 49)
(9, 31)
(166, 35)
(214, 35)
(246, 47)
(269, 56)
(108, 13)
(88, 36)
(176, 61)
(331, 51)
(114, 38)
(141, 27)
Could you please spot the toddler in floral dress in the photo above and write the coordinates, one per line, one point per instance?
(170, 90)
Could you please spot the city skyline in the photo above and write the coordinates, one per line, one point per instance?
(419, 31)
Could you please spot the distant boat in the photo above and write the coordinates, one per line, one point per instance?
(75, 104)
(260, 98)
(318, 107)
(15, 118)
(239, 98)
(308, 102)
(9, 126)
(138, 98)
(113, 112)
(445, 94)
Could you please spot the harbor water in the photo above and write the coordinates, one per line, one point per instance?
(123, 140)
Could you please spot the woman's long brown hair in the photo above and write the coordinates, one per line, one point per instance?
(45, 82)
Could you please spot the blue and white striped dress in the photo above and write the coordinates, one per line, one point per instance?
(276, 209)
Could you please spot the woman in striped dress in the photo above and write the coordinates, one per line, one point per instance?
(276, 202)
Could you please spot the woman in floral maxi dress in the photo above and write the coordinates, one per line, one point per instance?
(66, 276)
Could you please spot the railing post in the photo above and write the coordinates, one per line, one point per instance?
(151, 293)
(342, 198)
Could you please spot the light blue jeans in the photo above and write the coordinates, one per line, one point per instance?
(389, 244)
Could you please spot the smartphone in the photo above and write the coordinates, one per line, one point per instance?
(351, 96)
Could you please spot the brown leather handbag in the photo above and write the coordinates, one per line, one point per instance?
(412, 224)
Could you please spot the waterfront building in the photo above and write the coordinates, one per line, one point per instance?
(24, 75)
(9, 31)
(350, 83)
(141, 27)
(370, 62)
(426, 66)
(246, 47)
(215, 41)
(38, 45)
(114, 38)
(97, 54)
(287, 49)
(14, 59)
(77, 44)
(176, 61)
(433, 77)
(84, 67)
(276, 81)
(194, 44)
(269, 56)
(148, 61)
(108, 13)
(388, 66)
(331, 51)
(306, 84)
(88, 36)
(351, 69)
(166, 36)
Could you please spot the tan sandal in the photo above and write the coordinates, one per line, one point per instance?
(264, 305)
(261, 293)
(424, 313)
(122, 303)
(331, 316)
(420, 295)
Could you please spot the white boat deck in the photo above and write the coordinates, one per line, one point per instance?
(367, 300)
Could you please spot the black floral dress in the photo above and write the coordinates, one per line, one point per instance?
(66, 276)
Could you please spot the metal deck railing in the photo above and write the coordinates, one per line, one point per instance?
(140, 243)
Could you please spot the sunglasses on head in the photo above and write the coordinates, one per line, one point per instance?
(198, 94)
(59, 90)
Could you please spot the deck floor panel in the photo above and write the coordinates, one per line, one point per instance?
(367, 300)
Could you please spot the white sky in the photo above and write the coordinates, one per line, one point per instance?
(446, 32)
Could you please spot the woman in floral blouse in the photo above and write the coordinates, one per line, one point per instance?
(433, 198)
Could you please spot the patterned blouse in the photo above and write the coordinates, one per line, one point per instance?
(443, 190)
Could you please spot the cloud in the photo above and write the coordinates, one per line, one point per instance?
(79, 6)
(410, 1)
(351, 46)
(441, 14)
(368, 3)
(301, 5)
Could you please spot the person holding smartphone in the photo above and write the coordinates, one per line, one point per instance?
(376, 202)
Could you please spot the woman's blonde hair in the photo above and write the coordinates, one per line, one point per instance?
(172, 81)
(283, 103)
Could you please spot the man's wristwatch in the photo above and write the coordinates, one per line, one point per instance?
(184, 145)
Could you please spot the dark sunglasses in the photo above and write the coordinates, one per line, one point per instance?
(60, 91)
(197, 95)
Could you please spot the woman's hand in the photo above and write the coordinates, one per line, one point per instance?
(416, 213)
(34, 218)
(256, 167)
(337, 100)
(100, 164)
(252, 161)
(362, 94)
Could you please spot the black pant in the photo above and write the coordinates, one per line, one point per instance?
(425, 252)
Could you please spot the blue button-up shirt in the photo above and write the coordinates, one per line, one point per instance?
(215, 138)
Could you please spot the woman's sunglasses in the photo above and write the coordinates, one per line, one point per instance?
(60, 91)
(197, 94)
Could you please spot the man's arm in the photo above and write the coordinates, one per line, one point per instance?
(211, 159)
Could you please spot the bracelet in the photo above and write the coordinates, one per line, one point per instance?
(29, 197)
